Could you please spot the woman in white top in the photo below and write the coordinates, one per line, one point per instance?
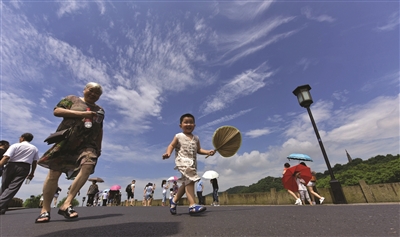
(165, 187)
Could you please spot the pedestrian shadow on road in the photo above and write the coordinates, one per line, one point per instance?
(126, 229)
(88, 218)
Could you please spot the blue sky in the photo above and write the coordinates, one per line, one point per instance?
(228, 63)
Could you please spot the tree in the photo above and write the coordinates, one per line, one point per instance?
(74, 202)
(32, 202)
(376, 170)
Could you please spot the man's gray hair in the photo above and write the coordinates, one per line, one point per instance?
(94, 85)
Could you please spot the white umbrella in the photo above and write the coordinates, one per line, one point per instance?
(210, 174)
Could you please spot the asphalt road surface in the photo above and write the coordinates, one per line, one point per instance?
(320, 220)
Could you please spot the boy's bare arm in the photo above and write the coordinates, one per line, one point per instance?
(170, 148)
(202, 151)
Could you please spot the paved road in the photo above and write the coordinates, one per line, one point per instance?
(321, 220)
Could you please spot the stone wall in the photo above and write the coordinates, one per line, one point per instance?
(361, 193)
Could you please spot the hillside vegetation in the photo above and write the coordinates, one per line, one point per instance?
(376, 170)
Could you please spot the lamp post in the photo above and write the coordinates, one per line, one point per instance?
(305, 100)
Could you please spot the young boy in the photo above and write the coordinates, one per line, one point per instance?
(186, 147)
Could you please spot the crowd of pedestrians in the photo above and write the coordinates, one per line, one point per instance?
(77, 147)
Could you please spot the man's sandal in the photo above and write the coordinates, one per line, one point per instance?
(67, 213)
(42, 216)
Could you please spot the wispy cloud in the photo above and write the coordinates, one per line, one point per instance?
(321, 18)
(71, 6)
(244, 10)
(380, 116)
(392, 23)
(225, 119)
(306, 62)
(245, 42)
(341, 95)
(241, 85)
(389, 80)
(258, 132)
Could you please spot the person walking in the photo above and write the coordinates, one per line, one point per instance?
(148, 193)
(20, 158)
(296, 195)
(164, 187)
(104, 198)
(77, 155)
(175, 188)
(199, 190)
(214, 183)
(302, 189)
(130, 191)
(56, 194)
(186, 146)
(93, 189)
(310, 188)
(4, 145)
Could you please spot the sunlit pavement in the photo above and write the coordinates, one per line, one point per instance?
(320, 220)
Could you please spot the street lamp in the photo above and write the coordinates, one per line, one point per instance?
(305, 100)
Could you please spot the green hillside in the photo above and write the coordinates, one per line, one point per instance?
(376, 170)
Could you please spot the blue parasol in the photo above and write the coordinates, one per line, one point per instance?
(296, 156)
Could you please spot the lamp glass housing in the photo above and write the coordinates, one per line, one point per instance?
(303, 95)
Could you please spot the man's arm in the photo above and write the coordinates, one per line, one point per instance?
(31, 175)
(4, 160)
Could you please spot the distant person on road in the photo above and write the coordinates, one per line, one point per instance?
(104, 198)
(55, 197)
(4, 145)
(295, 195)
(214, 183)
(20, 158)
(311, 185)
(199, 191)
(148, 193)
(302, 189)
(186, 146)
(130, 191)
(164, 187)
(175, 188)
(93, 189)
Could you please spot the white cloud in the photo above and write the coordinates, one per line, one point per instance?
(70, 7)
(241, 85)
(306, 62)
(258, 132)
(391, 24)
(244, 10)
(15, 111)
(389, 80)
(364, 130)
(225, 119)
(248, 41)
(321, 18)
(341, 95)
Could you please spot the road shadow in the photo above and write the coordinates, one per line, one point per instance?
(126, 229)
(88, 218)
